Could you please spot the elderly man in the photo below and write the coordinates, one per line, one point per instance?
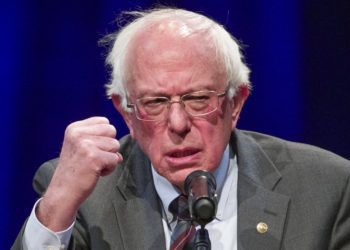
(180, 83)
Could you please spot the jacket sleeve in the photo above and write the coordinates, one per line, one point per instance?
(341, 229)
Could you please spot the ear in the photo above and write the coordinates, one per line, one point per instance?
(127, 116)
(238, 102)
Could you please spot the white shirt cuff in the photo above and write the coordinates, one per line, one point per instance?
(38, 237)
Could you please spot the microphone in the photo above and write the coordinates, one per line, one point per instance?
(200, 187)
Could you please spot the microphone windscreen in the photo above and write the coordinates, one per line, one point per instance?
(200, 187)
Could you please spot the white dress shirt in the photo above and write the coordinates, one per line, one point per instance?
(38, 237)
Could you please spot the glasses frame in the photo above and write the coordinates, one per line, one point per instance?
(170, 102)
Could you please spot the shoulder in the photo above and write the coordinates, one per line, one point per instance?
(299, 159)
(278, 149)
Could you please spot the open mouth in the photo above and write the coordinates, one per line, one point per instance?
(183, 153)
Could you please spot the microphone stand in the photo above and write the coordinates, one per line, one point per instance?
(202, 240)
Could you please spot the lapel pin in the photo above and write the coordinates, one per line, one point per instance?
(262, 227)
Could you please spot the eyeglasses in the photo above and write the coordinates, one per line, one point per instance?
(156, 108)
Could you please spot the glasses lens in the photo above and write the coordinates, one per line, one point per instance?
(201, 102)
(196, 104)
(151, 108)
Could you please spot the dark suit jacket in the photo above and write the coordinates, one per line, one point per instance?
(301, 192)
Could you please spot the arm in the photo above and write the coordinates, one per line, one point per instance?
(89, 151)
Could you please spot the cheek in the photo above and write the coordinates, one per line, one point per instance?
(215, 137)
(142, 134)
(149, 137)
(222, 122)
(219, 134)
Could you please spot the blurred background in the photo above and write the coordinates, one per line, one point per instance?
(52, 73)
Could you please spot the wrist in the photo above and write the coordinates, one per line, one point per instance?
(56, 212)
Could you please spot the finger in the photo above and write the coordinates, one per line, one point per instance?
(103, 143)
(110, 162)
(95, 120)
(107, 130)
(90, 121)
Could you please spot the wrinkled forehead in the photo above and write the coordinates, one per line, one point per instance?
(171, 39)
(171, 49)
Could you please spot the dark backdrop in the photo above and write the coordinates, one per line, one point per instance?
(52, 73)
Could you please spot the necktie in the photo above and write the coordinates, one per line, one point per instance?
(184, 230)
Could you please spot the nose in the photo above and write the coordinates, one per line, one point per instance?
(178, 119)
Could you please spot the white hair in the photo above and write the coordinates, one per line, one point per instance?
(227, 49)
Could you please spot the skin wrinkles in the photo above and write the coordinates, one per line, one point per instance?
(181, 143)
(180, 51)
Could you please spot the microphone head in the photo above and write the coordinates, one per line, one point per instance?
(200, 187)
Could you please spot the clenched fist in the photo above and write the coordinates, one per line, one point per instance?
(89, 151)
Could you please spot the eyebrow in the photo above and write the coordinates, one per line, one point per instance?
(163, 94)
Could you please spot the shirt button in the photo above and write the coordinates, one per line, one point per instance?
(262, 227)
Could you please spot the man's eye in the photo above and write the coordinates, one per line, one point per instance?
(196, 98)
(154, 102)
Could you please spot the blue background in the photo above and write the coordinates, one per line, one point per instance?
(52, 73)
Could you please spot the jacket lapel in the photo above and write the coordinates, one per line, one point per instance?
(261, 211)
(137, 205)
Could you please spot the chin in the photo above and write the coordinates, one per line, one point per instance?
(178, 178)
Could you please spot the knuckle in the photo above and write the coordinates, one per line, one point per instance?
(112, 130)
(68, 130)
(103, 119)
(91, 157)
(115, 143)
(98, 168)
(99, 119)
(85, 144)
(71, 126)
(109, 160)
(72, 133)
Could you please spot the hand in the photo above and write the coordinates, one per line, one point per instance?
(89, 151)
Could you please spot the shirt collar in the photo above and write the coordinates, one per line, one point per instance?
(168, 192)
